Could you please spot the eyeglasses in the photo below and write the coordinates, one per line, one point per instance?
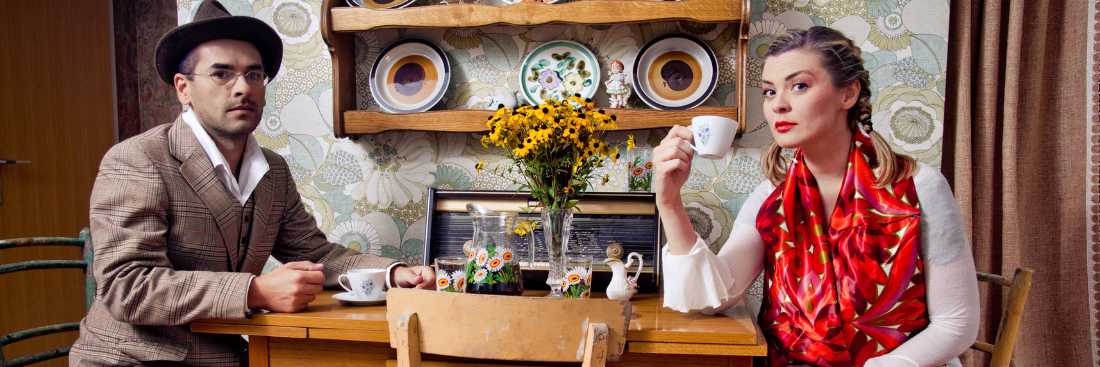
(224, 77)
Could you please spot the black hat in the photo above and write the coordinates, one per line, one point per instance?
(213, 22)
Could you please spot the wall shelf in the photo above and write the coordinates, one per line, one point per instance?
(339, 25)
(536, 13)
(371, 122)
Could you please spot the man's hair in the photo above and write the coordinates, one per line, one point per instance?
(188, 64)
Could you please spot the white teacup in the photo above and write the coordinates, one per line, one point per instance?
(364, 283)
(713, 135)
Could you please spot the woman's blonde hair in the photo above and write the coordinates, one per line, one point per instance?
(844, 64)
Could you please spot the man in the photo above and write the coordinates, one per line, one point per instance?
(185, 215)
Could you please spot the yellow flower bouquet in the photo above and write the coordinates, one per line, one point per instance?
(556, 148)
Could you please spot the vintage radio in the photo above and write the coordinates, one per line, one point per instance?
(600, 219)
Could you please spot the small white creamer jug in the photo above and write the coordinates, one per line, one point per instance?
(622, 287)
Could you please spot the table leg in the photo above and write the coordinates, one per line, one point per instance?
(258, 355)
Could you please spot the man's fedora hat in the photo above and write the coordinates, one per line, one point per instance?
(213, 22)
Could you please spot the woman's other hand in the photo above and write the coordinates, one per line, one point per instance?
(672, 165)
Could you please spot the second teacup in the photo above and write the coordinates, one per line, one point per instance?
(364, 283)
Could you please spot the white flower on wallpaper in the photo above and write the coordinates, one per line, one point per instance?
(366, 234)
(910, 118)
(298, 23)
(455, 169)
(296, 20)
(398, 169)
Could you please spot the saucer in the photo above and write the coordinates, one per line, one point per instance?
(348, 298)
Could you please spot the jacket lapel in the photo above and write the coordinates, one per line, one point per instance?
(199, 174)
(260, 244)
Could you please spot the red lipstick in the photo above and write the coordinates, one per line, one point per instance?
(784, 126)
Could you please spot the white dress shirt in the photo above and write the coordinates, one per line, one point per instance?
(253, 164)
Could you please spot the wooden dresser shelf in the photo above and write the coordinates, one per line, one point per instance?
(370, 122)
(339, 25)
(527, 13)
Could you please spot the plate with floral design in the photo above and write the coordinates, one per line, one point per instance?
(675, 72)
(410, 76)
(558, 70)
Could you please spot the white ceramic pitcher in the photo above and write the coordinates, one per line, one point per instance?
(622, 287)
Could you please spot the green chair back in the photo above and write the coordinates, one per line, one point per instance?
(84, 241)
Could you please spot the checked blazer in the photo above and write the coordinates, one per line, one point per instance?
(169, 250)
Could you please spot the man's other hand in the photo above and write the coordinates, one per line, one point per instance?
(289, 288)
(422, 277)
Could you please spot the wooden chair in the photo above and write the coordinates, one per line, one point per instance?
(83, 241)
(504, 328)
(1009, 329)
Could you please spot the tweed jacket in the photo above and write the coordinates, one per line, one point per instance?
(165, 233)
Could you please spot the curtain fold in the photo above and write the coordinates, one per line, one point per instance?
(1015, 154)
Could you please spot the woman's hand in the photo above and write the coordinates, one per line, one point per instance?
(672, 165)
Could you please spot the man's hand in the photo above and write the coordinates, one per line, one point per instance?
(289, 288)
(422, 277)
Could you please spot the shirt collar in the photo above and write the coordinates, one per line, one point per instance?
(253, 164)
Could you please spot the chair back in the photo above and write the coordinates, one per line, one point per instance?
(508, 328)
(83, 241)
(1009, 330)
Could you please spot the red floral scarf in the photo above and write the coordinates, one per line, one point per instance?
(856, 291)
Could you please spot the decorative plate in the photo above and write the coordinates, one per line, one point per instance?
(558, 70)
(410, 76)
(675, 72)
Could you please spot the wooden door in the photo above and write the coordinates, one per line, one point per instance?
(56, 111)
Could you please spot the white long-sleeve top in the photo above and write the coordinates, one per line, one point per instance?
(701, 281)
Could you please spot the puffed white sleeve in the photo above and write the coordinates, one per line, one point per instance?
(703, 281)
(950, 276)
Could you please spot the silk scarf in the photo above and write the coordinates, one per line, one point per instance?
(842, 292)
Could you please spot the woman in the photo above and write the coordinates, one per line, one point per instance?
(864, 256)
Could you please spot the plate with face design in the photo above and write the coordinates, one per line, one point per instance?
(558, 70)
(675, 72)
(410, 76)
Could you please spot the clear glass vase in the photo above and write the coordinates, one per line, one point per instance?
(556, 224)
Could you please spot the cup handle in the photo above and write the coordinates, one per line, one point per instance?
(340, 280)
(630, 261)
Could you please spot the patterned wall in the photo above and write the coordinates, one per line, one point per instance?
(370, 194)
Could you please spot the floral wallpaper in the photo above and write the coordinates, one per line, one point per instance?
(369, 194)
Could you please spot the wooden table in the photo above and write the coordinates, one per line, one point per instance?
(329, 333)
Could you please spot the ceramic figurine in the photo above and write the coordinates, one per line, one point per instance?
(618, 85)
(622, 286)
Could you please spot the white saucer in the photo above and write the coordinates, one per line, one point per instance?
(348, 298)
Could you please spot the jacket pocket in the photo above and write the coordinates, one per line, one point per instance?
(146, 350)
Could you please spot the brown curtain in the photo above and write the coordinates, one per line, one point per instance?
(143, 100)
(1015, 152)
